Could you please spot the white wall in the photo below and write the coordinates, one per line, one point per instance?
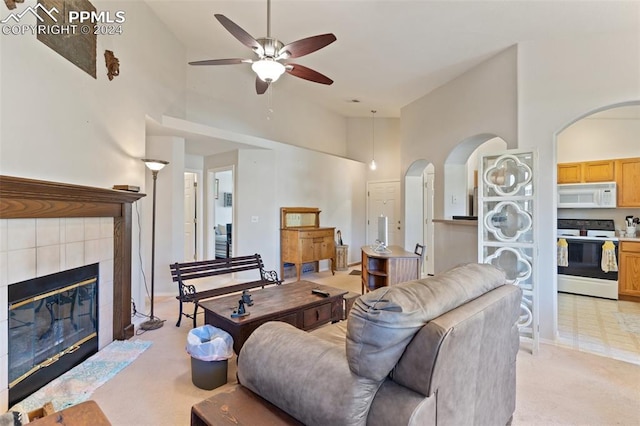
(85, 130)
(169, 212)
(560, 81)
(60, 124)
(599, 139)
(270, 179)
(360, 134)
(481, 101)
(224, 97)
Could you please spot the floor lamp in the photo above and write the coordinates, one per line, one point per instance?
(155, 166)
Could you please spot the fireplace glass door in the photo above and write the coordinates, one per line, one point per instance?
(49, 327)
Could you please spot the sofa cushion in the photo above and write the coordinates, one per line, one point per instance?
(383, 322)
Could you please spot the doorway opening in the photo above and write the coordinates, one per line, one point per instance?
(419, 194)
(383, 199)
(599, 137)
(221, 201)
(460, 169)
(192, 233)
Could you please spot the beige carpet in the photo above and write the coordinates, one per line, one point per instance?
(559, 386)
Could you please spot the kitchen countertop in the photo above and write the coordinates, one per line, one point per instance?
(457, 222)
(628, 238)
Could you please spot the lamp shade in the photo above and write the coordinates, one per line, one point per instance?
(155, 165)
(268, 70)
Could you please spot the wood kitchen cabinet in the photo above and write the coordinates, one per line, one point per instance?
(629, 271)
(599, 171)
(569, 172)
(587, 171)
(628, 182)
(302, 240)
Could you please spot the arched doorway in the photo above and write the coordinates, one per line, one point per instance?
(459, 169)
(603, 134)
(419, 196)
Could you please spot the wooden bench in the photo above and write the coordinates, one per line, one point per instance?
(182, 272)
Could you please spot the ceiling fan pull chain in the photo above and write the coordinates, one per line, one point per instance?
(270, 102)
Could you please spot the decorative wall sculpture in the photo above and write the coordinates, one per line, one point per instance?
(112, 63)
(11, 4)
(78, 45)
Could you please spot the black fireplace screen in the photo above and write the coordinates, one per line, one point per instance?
(44, 328)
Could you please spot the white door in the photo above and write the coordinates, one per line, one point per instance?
(383, 199)
(506, 224)
(429, 195)
(190, 218)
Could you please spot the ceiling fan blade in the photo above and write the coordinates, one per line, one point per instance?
(307, 74)
(232, 61)
(307, 45)
(243, 36)
(261, 86)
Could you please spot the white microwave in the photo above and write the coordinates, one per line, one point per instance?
(587, 195)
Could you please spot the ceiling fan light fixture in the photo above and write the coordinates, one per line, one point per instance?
(268, 70)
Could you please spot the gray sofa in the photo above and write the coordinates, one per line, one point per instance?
(440, 350)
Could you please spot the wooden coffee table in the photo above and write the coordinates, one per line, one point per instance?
(292, 303)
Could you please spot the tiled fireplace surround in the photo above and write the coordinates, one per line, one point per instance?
(32, 247)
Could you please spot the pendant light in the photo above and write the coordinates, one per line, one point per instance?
(372, 165)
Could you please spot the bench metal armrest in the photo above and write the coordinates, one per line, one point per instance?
(271, 276)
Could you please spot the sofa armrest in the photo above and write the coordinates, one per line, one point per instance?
(397, 405)
(305, 376)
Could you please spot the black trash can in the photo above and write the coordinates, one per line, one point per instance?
(210, 348)
(208, 375)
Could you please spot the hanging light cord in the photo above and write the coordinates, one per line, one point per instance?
(373, 134)
(373, 166)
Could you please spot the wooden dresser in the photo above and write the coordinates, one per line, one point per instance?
(302, 240)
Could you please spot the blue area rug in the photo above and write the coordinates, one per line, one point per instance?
(79, 383)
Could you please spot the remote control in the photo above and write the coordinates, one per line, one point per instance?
(320, 292)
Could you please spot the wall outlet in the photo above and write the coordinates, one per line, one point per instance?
(454, 199)
(254, 219)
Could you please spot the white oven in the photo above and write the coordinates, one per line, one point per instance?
(583, 271)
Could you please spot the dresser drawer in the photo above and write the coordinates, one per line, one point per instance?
(321, 233)
(290, 319)
(316, 316)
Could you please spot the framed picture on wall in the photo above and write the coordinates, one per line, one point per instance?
(216, 188)
(227, 199)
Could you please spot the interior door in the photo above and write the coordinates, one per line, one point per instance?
(428, 266)
(383, 199)
(190, 219)
(506, 225)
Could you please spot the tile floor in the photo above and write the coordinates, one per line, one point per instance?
(601, 326)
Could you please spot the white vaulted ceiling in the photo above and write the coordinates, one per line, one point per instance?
(387, 53)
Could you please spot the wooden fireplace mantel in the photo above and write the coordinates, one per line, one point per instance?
(22, 198)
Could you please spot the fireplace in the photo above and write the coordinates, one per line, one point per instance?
(53, 326)
(29, 209)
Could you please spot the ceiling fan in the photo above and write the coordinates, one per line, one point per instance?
(272, 53)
